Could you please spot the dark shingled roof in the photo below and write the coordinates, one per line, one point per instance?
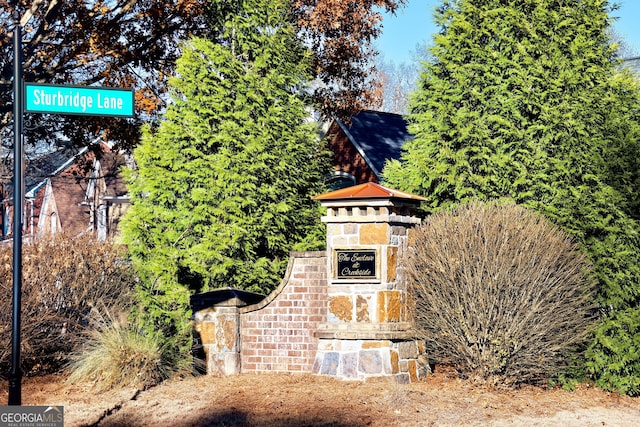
(44, 167)
(41, 168)
(378, 136)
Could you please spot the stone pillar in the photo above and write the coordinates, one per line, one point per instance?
(368, 332)
(217, 320)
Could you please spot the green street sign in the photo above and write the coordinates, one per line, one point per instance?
(81, 100)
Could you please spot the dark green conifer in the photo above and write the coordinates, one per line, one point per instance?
(524, 100)
(223, 186)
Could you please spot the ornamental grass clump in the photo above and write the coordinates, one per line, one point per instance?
(500, 292)
(118, 356)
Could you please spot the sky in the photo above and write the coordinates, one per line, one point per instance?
(414, 25)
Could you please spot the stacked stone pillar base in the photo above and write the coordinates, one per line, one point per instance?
(217, 320)
(360, 359)
(220, 335)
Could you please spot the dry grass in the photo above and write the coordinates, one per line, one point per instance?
(117, 356)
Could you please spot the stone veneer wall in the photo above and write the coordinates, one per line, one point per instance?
(277, 334)
(369, 330)
(354, 303)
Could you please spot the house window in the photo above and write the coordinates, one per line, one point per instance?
(340, 180)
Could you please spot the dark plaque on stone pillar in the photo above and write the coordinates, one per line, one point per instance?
(355, 264)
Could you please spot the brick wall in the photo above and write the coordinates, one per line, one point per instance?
(278, 333)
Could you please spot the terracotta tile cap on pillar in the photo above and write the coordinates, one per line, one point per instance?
(368, 190)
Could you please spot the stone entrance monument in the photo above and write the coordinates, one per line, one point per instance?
(368, 329)
(343, 312)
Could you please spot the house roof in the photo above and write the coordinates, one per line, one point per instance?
(52, 164)
(377, 136)
(46, 166)
(368, 190)
(40, 168)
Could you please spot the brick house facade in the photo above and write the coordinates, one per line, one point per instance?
(80, 194)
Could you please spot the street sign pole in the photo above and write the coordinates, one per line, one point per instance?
(15, 375)
(47, 99)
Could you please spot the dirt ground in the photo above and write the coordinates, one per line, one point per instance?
(307, 400)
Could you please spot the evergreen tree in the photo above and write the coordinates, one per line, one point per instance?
(523, 100)
(223, 186)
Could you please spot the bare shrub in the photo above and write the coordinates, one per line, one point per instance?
(64, 280)
(500, 293)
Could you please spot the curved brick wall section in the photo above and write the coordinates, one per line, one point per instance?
(277, 334)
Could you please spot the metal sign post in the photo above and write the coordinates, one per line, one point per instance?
(15, 375)
(49, 99)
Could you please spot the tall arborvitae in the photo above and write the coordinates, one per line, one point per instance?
(524, 100)
(223, 186)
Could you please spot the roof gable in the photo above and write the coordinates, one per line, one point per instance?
(39, 169)
(378, 136)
